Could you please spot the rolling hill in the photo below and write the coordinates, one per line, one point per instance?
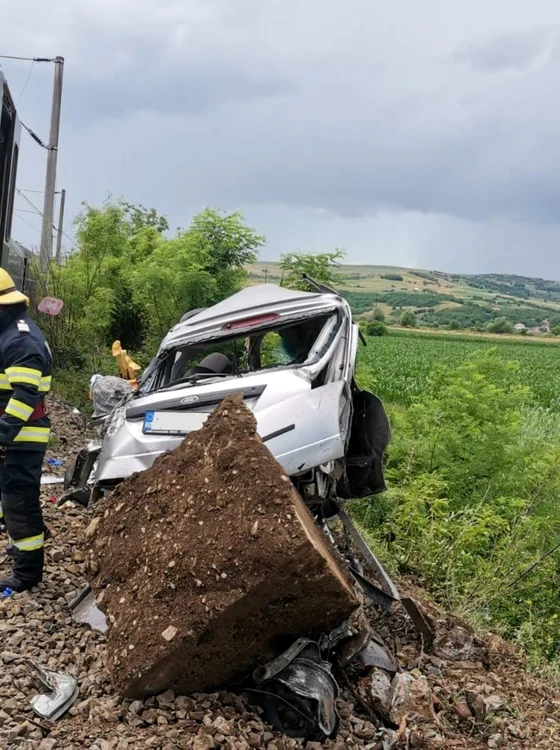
(439, 299)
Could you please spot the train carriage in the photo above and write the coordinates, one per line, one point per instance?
(14, 257)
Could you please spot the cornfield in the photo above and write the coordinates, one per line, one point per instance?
(399, 365)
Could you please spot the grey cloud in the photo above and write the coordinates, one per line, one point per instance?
(360, 165)
(512, 51)
(195, 89)
(300, 111)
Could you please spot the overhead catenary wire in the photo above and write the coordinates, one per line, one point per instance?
(37, 139)
(27, 200)
(39, 213)
(17, 215)
(24, 221)
(28, 59)
(20, 97)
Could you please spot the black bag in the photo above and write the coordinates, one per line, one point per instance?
(370, 435)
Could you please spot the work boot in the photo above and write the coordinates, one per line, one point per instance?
(27, 571)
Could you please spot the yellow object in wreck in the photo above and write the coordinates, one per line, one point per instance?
(128, 369)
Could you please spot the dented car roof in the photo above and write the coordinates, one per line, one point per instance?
(253, 300)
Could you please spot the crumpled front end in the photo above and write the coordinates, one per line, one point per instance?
(300, 425)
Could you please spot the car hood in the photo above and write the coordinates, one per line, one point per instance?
(302, 426)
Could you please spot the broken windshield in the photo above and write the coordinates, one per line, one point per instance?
(283, 346)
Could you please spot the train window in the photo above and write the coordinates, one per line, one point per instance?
(12, 192)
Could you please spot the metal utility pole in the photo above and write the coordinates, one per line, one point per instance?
(60, 225)
(50, 179)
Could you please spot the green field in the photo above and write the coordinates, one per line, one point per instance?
(401, 363)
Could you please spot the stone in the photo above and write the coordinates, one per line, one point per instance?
(495, 741)
(204, 742)
(410, 697)
(166, 699)
(136, 707)
(462, 709)
(380, 688)
(169, 633)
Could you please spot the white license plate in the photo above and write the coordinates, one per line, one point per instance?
(173, 422)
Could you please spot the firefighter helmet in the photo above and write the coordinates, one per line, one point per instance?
(9, 295)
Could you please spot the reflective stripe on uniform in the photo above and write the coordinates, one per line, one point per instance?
(45, 384)
(29, 544)
(18, 409)
(4, 382)
(33, 435)
(25, 375)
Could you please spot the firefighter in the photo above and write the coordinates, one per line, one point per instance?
(25, 380)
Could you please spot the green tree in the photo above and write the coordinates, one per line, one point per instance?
(377, 328)
(319, 266)
(197, 268)
(392, 276)
(127, 280)
(378, 314)
(141, 217)
(408, 319)
(500, 325)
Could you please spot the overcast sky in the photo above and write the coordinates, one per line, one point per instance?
(419, 133)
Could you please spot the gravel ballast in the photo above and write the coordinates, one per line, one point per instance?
(466, 693)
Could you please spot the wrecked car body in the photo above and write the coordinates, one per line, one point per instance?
(292, 355)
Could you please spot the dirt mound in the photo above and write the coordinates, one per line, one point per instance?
(209, 564)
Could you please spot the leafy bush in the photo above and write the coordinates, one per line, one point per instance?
(474, 478)
(127, 280)
(377, 328)
(408, 319)
(319, 266)
(392, 276)
(501, 325)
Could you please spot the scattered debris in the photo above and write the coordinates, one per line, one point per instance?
(410, 697)
(54, 463)
(380, 688)
(63, 691)
(299, 692)
(49, 479)
(107, 392)
(85, 610)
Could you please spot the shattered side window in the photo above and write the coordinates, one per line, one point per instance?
(275, 350)
(289, 345)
